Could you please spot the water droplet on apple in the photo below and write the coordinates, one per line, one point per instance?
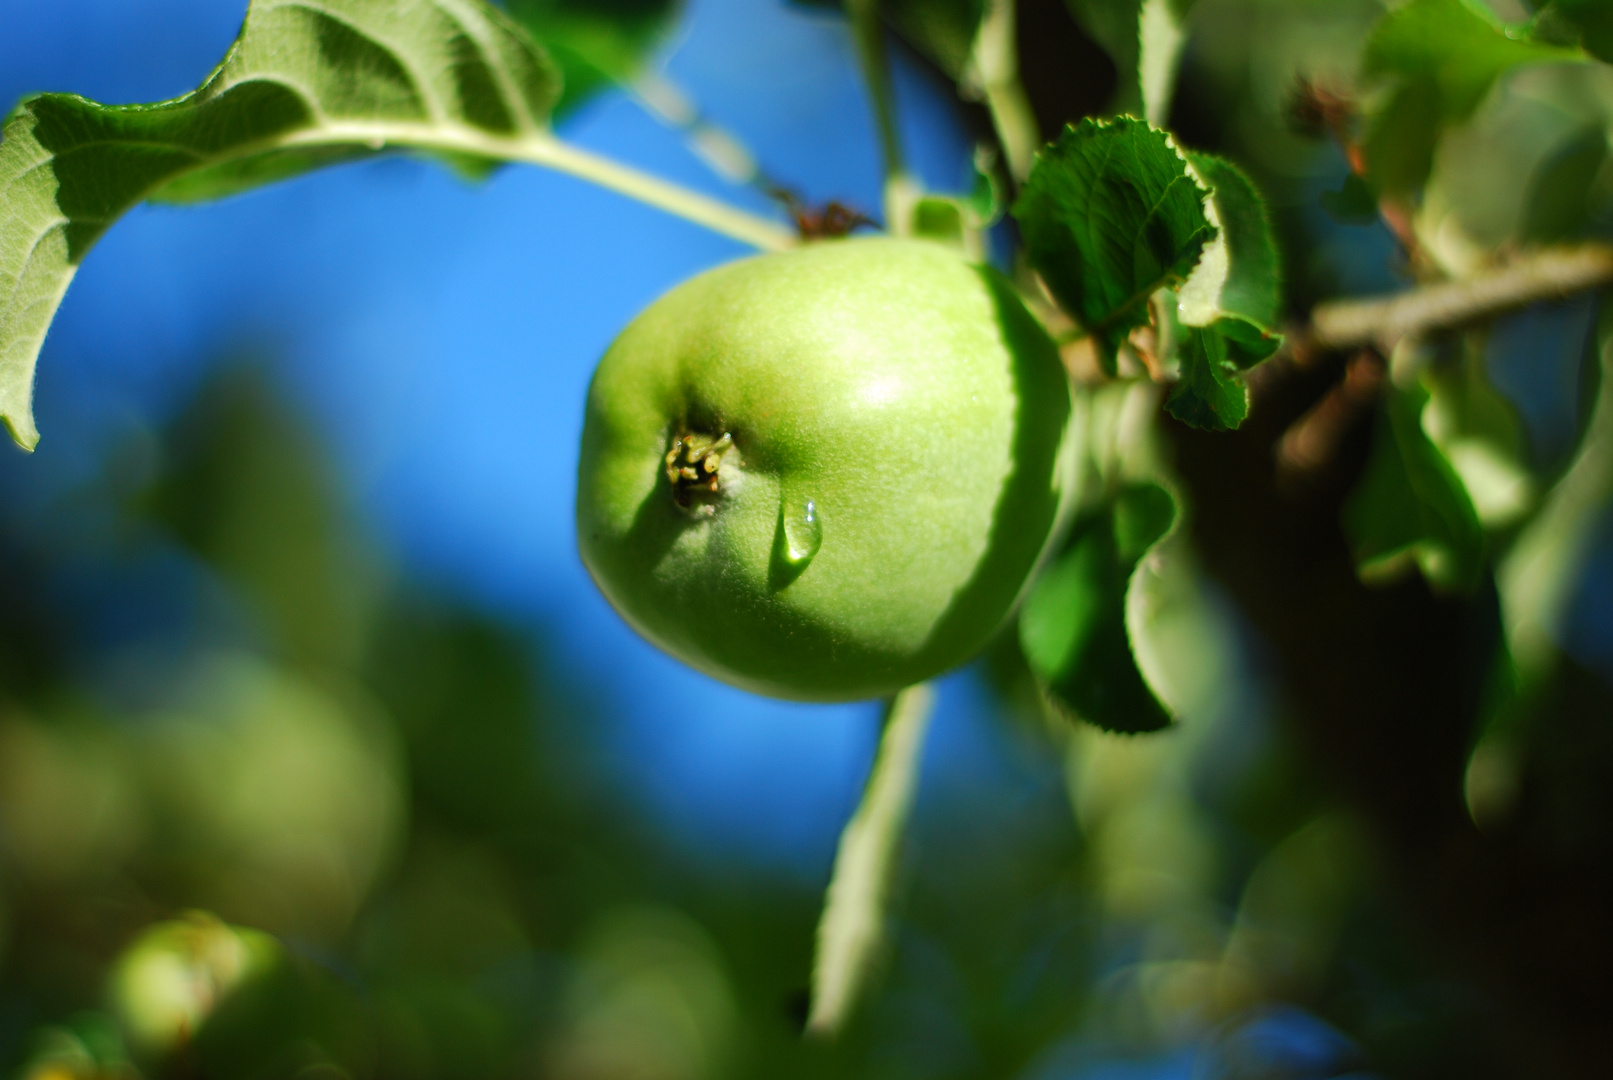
(803, 530)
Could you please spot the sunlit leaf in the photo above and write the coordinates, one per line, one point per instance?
(307, 83)
(1411, 509)
(1436, 60)
(1073, 625)
(1111, 214)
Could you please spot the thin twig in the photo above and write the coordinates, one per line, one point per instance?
(1546, 275)
(543, 149)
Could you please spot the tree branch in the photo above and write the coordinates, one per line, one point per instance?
(1546, 275)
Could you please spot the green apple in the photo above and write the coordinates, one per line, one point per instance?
(825, 474)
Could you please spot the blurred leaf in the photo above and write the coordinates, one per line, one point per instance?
(465, 699)
(278, 802)
(1294, 905)
(305, 85)
(649, 998)
(1560, 202)
(1229, 304)
(1109, 215)
(596, 44)
(70, 801)
(1072, 627)
(1541, 574)
(943, 30)
(1591, 23)
(851, 931)
(248, 491)
(294, 1018)
(1478, 431)
(1410, 509)
(1436, 60)
(89, 1048)
(1353, 204)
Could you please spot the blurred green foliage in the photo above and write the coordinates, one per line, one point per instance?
(310, 819)
(397, 859)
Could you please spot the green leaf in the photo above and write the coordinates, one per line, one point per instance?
(1251, 285)
(1208, 393)
(597, 44)
(1436, 60)
(1228, 306)
(1072, 628)
(308, 83)
(1411, 508)
(1111, 214)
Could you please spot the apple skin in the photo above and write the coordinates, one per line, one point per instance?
(903, 390)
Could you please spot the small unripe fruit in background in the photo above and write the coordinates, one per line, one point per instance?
(176, 974)
(825, 474)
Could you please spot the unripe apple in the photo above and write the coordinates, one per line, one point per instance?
(825, 474)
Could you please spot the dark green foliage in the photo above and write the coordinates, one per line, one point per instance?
(1561, 197)
(1589, 22)
(943, 30)
(1352, 204)
(1111, 214)
(1073, 625)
